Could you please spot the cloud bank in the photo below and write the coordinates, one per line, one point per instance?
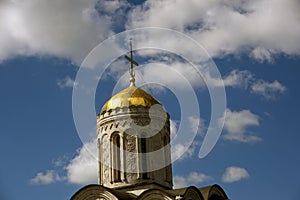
(71, 28)
(61, 28)
(260, 28)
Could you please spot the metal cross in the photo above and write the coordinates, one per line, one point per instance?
(132, 62)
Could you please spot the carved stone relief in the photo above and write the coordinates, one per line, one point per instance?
(131, 158)
(105, 158)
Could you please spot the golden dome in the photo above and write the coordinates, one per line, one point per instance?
(131, 96)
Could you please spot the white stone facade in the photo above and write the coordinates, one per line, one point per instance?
(134, 147)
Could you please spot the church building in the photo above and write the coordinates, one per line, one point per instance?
(133, 132)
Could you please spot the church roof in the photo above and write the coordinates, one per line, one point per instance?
(213, 192)
(131, 96)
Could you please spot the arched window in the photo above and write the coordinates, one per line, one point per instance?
(116, 158)
(144, 157)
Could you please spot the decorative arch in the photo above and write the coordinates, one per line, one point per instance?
(217, 193)
(155, 194)
(214, 192)
(94, 192)
(192, 193)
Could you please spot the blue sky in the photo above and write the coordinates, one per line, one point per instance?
(255, 45)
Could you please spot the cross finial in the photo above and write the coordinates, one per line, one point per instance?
(132, 62)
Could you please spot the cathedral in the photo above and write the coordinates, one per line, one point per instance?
(133, 132)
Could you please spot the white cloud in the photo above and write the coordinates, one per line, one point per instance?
(178, 150)
(197, 124)
(173, 128)
(247, 80)
(50, 176)
(238, 78)
(194, 178)
(179, 73)
(61, 161)
(183, 74)
(233, 174)
(67, 82)
(181, 150)
(236, 123)
(83, 169)
(235, 79)
(111, 7)
(71, 28)
(261, 54)
(267, 89)
(62, 28)
(262, 28)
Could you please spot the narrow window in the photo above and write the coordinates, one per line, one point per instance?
(144, 158)
(116, 158)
